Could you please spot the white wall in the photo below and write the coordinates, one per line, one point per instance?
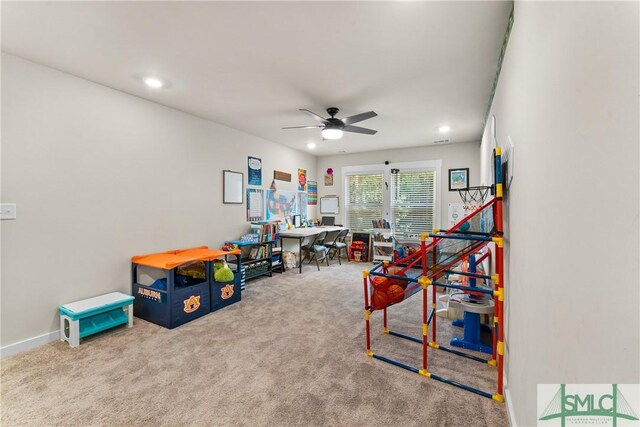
(568, 98)
(453, 156)
(99, 176)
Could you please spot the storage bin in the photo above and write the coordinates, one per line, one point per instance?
(225, 293)
(170, 305)
(256, 269)
(169, 288)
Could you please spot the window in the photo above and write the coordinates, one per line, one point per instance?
(413, 207)
(364, 200)
(405, 194)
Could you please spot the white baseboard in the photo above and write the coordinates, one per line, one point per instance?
(510, 413)
(19, 347)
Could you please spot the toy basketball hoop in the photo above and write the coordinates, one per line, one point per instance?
(474, 197)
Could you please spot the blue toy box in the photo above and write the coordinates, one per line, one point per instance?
(173, 288)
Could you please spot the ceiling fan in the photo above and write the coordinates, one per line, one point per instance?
(332, 128)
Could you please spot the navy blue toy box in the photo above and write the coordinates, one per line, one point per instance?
(173, 288)
(225, 293)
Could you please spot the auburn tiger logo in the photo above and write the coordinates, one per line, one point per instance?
(226, 292)
(191, 304)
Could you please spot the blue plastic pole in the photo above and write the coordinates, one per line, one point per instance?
(462, 386)
(463, 288)
(393, 276)
(396, 363)
(462, 354)
(376, 267)
(461, 237)
(468, 274)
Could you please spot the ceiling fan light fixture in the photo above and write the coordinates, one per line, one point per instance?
(331, 133)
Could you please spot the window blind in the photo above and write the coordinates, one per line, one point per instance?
(412, 202)
(364, 200)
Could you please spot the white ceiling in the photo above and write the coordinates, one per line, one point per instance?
(252, 65)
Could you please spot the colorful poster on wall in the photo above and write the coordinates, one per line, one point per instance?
(302, 180)
(255, 171)
(312, 189)
(255, 204)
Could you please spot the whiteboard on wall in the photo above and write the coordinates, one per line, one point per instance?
(329, 205)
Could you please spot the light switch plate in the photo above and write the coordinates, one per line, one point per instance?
(7, 211)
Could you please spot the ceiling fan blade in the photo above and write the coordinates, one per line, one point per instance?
(303, 127)
(315, 116)
(358, 129)
(358, 117)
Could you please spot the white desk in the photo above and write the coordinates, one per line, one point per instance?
(300, 234)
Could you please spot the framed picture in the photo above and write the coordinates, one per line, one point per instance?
(232, 187)
(458, 179)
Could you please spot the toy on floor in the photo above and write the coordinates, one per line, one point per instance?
(426, 267)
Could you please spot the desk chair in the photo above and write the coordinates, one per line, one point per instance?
(316, 248)
(337, 245)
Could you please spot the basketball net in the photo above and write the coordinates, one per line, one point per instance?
(473, 197)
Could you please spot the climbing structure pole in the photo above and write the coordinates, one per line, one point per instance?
(499, 285)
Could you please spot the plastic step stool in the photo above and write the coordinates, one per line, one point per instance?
(87, 317)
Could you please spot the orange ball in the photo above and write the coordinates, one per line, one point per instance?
(379, 299)
(398, 272)
(379, 281)
(395, 293)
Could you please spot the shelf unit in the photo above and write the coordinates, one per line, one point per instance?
(383, 244)
(263, 266)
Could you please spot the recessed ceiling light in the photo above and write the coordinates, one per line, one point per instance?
(444, 129)
(153, 82)
(311, 146)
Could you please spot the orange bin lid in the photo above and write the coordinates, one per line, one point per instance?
(171, 259)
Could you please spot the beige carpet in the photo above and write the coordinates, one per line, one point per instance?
(290, 353)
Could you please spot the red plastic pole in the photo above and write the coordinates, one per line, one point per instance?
(494, 322)
(425, 344)
(384, 324)
(433, 319)
(423, 255)
(500, 321)
(500, 302)
(366, 309)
